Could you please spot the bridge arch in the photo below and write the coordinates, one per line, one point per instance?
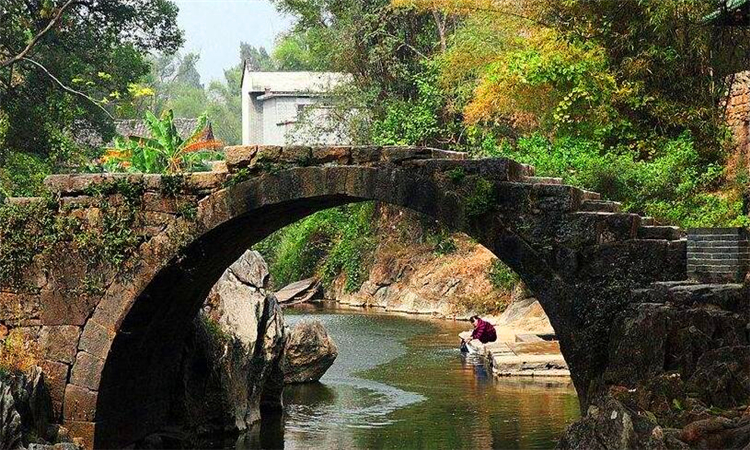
(581, 264)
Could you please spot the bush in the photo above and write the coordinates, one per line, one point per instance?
(674, 184)
(442, 242)
(502, 277)
(22, 175)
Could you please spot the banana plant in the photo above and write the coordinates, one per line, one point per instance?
(165, 151)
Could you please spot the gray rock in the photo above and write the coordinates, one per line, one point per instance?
(299, 292)
(25, 409)
(10, 420)
(308, 353)
(234, 352)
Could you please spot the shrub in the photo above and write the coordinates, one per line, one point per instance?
(502, 277)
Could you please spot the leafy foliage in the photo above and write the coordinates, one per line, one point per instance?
(327, 243)
(165, 152)
(501, 276)
(96, 49)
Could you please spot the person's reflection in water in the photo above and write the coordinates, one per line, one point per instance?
(475, 363)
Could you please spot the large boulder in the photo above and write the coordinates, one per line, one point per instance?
(308, 353)
(11, 436)
(231, 366)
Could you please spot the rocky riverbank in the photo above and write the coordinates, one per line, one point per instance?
(677, 375)
(414, 269)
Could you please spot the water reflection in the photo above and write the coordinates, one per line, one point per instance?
(401, 383)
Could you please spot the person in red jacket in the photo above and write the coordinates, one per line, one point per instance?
(483, 330)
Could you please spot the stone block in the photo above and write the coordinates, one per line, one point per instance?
(296, 154)
(239, 156)
(59, 343)
(96, 339)
(58, 309)
(20, 309)
(204, 181)
(157, 202)
(87, 371)
(398, 154)
(81, 431)
(267, 154)
(550, 197)
(327, 155)
(447, 154)
(79, 404)
(366, 154)
(70, 184)
(56, 379)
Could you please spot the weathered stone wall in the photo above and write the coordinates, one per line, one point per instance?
(678, 372)
(108, 270)
(738, 120)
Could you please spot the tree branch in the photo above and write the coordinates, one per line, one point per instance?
(35, 39)
(68, 89)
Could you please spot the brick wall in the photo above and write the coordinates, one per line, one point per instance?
(718, 254)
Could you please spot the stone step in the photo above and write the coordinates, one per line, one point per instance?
(591, 195)
(648, 221)
(659, 232)
(601, 205)
(528, 170)
(542, 180)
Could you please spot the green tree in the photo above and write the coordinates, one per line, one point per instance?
(65, 67)
(257, 59)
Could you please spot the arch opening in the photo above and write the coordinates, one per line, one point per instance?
(138, 375)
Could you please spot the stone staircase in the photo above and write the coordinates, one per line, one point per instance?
(592, 205)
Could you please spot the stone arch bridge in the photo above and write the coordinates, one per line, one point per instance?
(105, 272)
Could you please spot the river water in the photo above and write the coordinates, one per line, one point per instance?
(400, 382)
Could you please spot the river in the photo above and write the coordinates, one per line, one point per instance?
(400, 382)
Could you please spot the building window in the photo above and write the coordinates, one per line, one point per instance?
(300, 110)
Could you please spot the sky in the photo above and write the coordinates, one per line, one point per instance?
(215, 28)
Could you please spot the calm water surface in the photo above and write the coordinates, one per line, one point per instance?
(400, 382)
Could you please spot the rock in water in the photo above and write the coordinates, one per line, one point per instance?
(234, 352)
(308, 353)
(299, 292)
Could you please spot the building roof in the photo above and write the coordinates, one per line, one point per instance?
(291, 82)
(137, 128)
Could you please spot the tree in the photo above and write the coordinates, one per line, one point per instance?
(62, 64)
(257, 59)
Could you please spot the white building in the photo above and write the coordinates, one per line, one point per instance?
(274, 102)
